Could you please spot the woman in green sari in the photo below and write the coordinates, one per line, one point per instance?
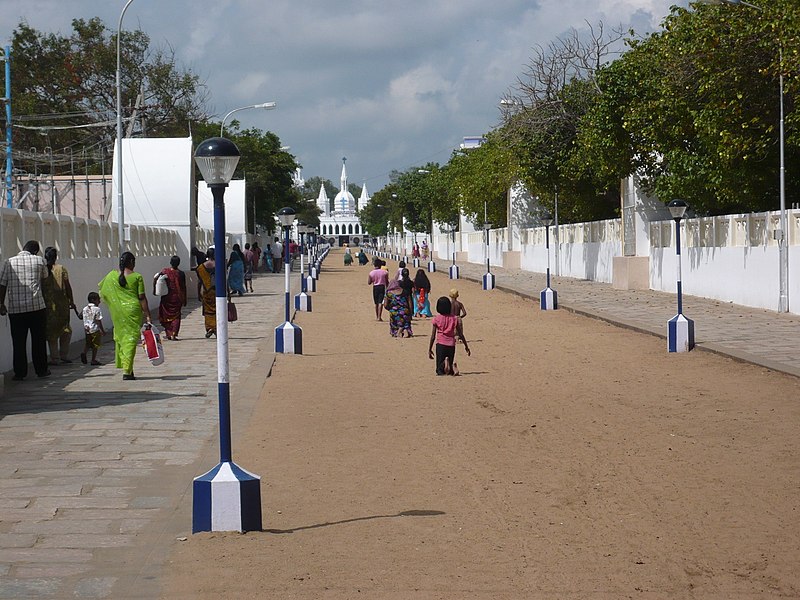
(123, 292)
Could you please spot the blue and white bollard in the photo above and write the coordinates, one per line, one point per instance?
(302, 302)
(227, 498)
(453, 271)
(487, 282)
(311, 284)
(680, 334)
(431, 266)
(548, 299)
(288, 339)
(416, 263)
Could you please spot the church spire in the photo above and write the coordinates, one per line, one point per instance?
(343, 180)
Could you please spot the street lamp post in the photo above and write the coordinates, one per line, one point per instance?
(680, 330)
(264, 105)
(488, 282)
(548, 298)
(310, 281)
(302, 301)
(451, 231)
(782, 234)
(120, 202)
(288, 336)
(216, 506)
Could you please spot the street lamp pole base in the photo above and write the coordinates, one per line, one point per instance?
(288, 339)
(416, 263)
(548, 299)
(453, 271)
(302, 302)
(680, 334)
(488, 282)
(227, 498)
(311, 284)
(432, 267)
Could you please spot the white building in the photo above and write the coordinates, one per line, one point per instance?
(341, 225)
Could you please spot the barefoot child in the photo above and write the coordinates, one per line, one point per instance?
(444, 328)
(92, 327)
(457, 309)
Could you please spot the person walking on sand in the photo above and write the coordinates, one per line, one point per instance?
(207, 292)
(444, 329)
(457, 309)
(378, 278)
(21, 277)
(422, 291)
(124, 293)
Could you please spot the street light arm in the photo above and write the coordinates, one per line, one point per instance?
(264, 105)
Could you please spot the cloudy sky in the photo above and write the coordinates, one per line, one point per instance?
(387, 84)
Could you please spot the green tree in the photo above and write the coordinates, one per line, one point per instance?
(63, 91)
(693, 109)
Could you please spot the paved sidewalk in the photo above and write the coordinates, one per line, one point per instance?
(96, 472)
(762, 337)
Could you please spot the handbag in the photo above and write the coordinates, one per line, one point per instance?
(162, 284)
(232, 314)
(151, 342)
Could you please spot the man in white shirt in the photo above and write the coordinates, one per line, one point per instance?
(277, 255)
(21, 285)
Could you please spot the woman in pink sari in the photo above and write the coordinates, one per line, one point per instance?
(169, 311)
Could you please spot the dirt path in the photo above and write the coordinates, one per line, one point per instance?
(572, 459)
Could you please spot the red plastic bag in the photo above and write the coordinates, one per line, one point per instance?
(151, 342)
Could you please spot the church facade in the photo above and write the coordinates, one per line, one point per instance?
(340, 225)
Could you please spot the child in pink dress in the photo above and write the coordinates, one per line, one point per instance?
(445, 328)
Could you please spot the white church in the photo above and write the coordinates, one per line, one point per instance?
(341, 225)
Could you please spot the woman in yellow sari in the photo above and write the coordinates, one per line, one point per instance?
(207, 292)
(123, 292)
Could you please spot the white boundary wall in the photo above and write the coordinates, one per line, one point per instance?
(89, 250)
(731, 258)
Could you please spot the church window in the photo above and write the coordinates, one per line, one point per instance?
(350, 228)
(337, 230)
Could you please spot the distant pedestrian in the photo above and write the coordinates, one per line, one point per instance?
(444, 329)
(207, 292)
(277, 254)
(399, 310)
(268, 259)
(124, 292)
(92, 327)
(21, 277)
(169, 309)
(422, 291)
(236, 271)
(457, 308)
(248, 268)
(378, 278)
(362, 257)
(348, 258)
(60, 304)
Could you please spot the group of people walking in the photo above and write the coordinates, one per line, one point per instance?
(405, 298)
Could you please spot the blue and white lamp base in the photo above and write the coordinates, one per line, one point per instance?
(288, 339)
(416, 263)
(311, 284)
(302, 302)
(548, 299)
(227, 498)
(453, 271)
(431, 267)
(487, 281)
(680, 334)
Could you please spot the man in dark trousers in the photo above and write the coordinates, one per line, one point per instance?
(21, 286)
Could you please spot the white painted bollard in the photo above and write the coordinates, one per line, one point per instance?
(453, 271)
(487, 281)
(431, 267)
